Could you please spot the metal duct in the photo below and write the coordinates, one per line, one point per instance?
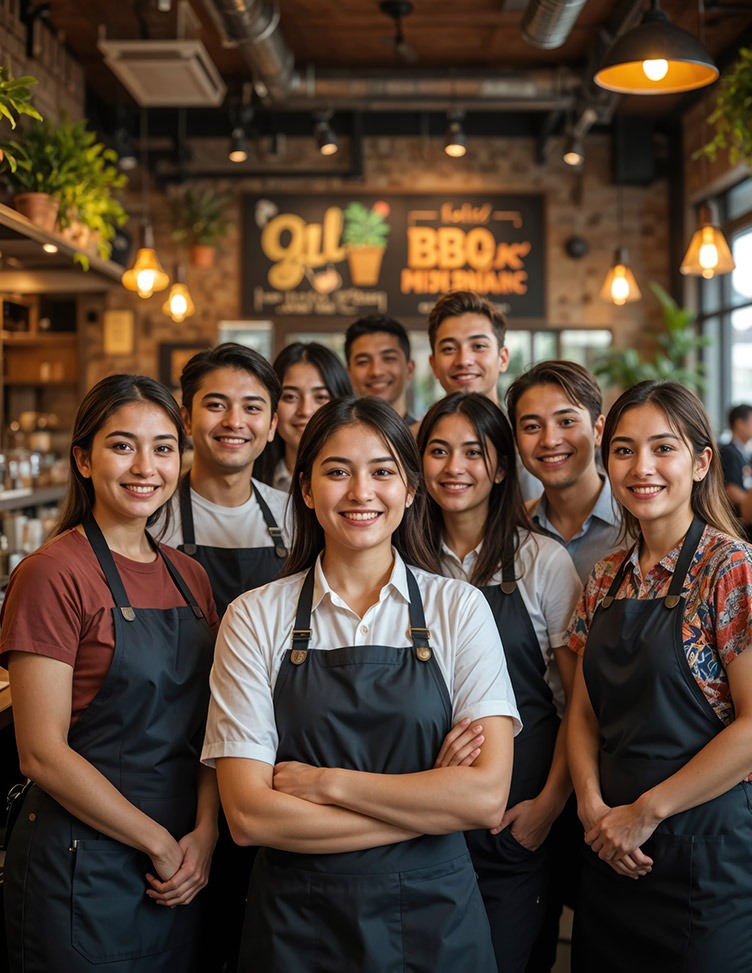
(253, 26)
(548, 23)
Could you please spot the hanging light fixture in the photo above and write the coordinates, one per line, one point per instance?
(656, 58)
(620, 286)
(179, 305)
(455, 140)
(326, 137)
(238, 146)
(708, 253)
(147, 274)
(574, 151)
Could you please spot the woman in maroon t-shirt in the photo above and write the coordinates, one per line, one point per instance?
(108, 639)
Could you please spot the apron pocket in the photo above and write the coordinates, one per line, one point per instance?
(111, 918)
(444, 922)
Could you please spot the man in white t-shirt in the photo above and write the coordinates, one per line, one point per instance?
(234, 526)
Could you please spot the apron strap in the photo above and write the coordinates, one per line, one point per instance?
(112, 575)
(275, 532)
(186, 515)
(508, 581)
(683, 562)
(673, 596)
(301, 633)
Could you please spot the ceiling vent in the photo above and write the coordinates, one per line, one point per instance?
(165, 73)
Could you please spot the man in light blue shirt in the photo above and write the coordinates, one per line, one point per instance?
(555, 411)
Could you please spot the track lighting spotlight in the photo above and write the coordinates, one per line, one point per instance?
(574, 151)
(326, 138)
(455, 140)
(238, 146)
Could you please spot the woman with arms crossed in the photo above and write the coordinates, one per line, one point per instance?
(109, 655)
(479, 531)
(660, 732)
(332, 692)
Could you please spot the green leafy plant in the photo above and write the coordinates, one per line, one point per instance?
(199, 216)
(67, 161)
(15, 100)
(676, 342)
(364, 227)
(732, 112)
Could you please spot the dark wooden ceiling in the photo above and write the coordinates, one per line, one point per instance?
(354, 35)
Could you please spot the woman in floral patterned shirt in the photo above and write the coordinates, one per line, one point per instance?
(660, 731)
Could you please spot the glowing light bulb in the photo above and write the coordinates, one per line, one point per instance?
(178, 307)
(708, 255)
(145, 282)
(655, 69)
(619, 286)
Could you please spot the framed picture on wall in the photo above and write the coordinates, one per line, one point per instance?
(172, 358)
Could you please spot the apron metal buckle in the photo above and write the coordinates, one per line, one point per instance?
(423, 652)
(607, 601)
(671, 601)
(276, 535)
(128, 613)
(298, 656)
(508, 587)
(189, 549)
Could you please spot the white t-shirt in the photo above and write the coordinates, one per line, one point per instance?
(257, 628)
(550, 589)
(237, 527)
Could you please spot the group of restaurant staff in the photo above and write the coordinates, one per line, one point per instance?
(338, 728)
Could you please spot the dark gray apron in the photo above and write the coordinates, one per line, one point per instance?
(693, 912)
(513, 880)
(75, 898)
(232, 570)
(411, 907)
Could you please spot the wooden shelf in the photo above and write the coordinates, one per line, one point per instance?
(28, 269)
(20, 499)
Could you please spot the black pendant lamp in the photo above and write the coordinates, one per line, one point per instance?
(656, 58)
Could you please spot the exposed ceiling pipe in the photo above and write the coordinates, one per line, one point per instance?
(548, 23)
(253, 27)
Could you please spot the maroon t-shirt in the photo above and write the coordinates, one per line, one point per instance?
(58, 605)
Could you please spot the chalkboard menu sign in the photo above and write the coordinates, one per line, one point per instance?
(350, 255)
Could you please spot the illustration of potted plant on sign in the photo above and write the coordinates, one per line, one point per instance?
(365, 234)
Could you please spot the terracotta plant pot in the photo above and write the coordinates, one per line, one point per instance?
(202, 255)
(365, 264)
(40, 208)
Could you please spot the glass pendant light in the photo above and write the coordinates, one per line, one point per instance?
(656, 58)
(620, 286)
(179, 304)
(147, 274)
(708, 253)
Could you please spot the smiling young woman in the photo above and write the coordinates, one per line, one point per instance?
(479, 531)
(662, 767)
(333, 696)
(108, 703)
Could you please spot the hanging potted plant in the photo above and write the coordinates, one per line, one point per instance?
(199, 219)
(731, 114)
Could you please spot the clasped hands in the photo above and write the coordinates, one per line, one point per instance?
(615, 834)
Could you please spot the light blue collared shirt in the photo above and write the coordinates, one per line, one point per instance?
(597, 537)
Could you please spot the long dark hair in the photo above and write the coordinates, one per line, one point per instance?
(508, 519)
(336, 380)
(308, 535)
(99, 403)
(687, 417)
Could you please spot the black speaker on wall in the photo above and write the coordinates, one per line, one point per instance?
(633, 154)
